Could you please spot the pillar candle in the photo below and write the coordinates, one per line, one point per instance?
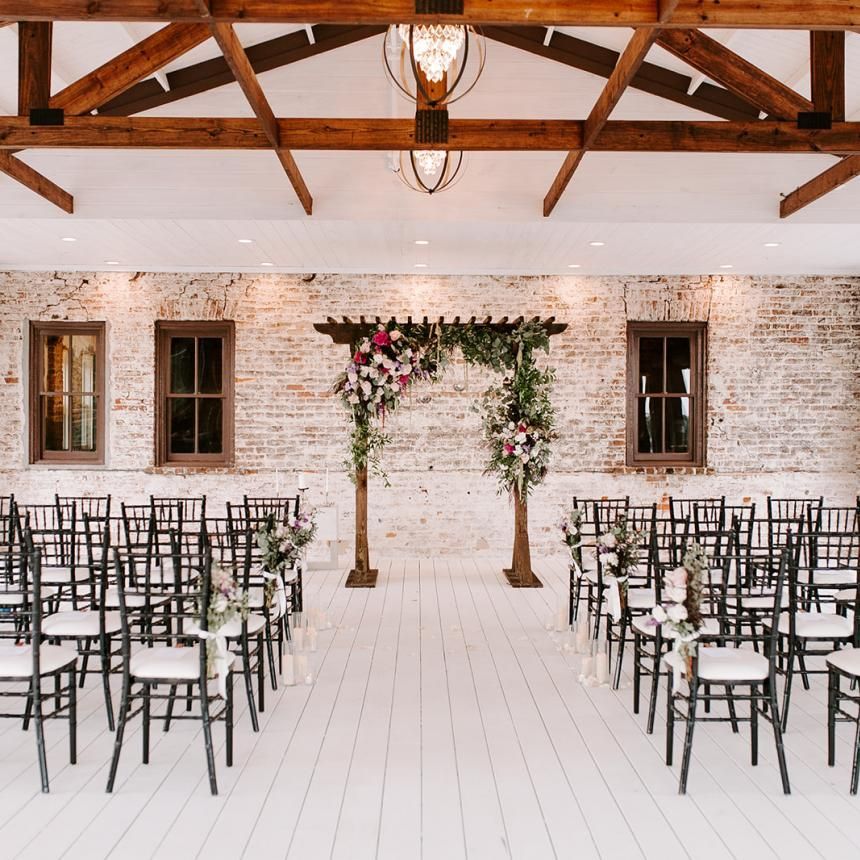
(301, 668)
(312, 639)
(581, 636)
(561, 619)
(601, 664)
(288, 672)
(299, 638)
(587, 668)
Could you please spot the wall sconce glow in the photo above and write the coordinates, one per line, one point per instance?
(771, 244)
(244, 241)
(69, 239)
(422, 242)
(597, 244)
(420, 265)
(574, 265)
(267, 264)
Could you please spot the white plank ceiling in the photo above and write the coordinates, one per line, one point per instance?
(656, 213)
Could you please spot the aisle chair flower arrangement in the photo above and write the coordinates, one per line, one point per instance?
(618, 554)
(571, 535)
(282, 546)
(227, 601)
(681, 611)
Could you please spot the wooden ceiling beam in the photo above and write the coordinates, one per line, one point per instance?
(736, 74)
(785, 14)
(827, 60)
(242, 70)
(123, 71)
(625, 69)
(832, 178)
(650, 78)
(34, 65)
(209, 74)
(35, 181)
(366, 134)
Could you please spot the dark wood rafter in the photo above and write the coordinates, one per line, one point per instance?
(209, 74)
(240, 66)
(786, 14)
(18, 170)
(650, 78)
(736, 74)
(827, 66)
(491, 135)
(34, 65)
(628, 64)
(349, 332)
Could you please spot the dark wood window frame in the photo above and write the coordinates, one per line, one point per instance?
(698, 333)
(38, 454)
(164, 331)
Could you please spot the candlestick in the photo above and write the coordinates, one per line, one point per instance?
(303, 481)
(277, 482)
(326, 484)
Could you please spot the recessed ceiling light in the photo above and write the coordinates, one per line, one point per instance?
(244, 241)
(727, 266)
(574, 266)
(69, 239)
(771, 244)
(597, 244)
(111, 262)
(420, 265)
(422, 241)
(267, 264)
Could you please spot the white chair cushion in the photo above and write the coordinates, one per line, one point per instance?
(829, 576)
(815, 625)
(164, 573)
(64, 575)
(16, 661)
(13, 599)
(133, 600)
(641, 598)
(233, 628)
(78, 624)
(846, 595)
(847, 660)
(642, 624)
(732, 664)
(167, 664)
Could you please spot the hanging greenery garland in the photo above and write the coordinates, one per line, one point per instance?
(517, 414)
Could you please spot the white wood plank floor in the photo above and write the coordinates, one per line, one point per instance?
(445, 722)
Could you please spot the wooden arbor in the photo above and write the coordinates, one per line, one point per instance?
(350, 333)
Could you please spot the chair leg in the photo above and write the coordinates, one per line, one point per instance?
(28, 708)
(105, 661)
(655, 684)
(777, 735)
(146, 722)
(228, 719)
(73, 717)
(855, 769)
(85, 660)
(270, 651)
(40, 742)
(207, 737)
(786, 693)
(261, 686)
(622, 641)
(120, 730)
(733, 716)
(670, 721)
(754, 725)
(688, 738)
(637, 672)
(801, 662)
(832, 700)
(249, 687)
(171, 700)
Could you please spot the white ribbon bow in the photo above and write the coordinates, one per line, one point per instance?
(613, 597)
(222, 661)
(676, 663)
(280, 589)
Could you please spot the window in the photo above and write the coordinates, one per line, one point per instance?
(67, 392)
(194, 388)
(666, 394)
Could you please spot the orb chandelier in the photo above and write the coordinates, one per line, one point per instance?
(433, 54)
(429, 171)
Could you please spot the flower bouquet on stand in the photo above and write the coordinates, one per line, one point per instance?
(618, 555)
(282, 545)
(680, 614)
(571, 531)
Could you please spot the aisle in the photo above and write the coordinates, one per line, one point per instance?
(445, 723)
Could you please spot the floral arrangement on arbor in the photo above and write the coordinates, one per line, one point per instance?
(227, 600)
(382, 367)
(681, 611)
(618, 553)
(571, 530)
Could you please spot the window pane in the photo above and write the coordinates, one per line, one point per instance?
(55, 423)
(182, 365)
(678, 424)
(83, 363)
(181, 423)
(650, 425)
(211, 425)
(650, 365)
(678, 361)
(55, 350)
(83, 423)
(209, 365)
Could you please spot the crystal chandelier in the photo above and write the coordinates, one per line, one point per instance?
(434, 46)
(418, 55)
(430, 170)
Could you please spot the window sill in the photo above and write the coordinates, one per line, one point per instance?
(664, 469)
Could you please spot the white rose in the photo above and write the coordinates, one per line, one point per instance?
(610, 559)
(525, 458)
(659, 614)
(394, 335)
(609, 540)
(677, 613)
(365, 347)
(354, 399)
(366, 387)
(520, 437)
(676, 595)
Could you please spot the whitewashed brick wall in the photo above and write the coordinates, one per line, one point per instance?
(783, 393)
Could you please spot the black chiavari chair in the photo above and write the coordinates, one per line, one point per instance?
(171, 655)
(257, 508)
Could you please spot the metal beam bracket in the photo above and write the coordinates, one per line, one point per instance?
(814, 119)
(431, 126)
(47, 116)
(439, 7)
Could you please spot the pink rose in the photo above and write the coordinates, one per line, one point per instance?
(508, 449)
(381, 338)
(404, 379)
